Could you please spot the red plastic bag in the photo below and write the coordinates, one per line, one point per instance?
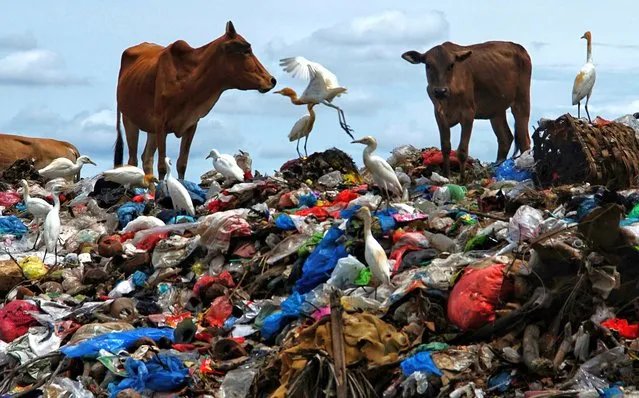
(219, 312)
(436, 157)
(320, 212)
(15, 321)
(406, 241)
(8, 199)
(472, 301)
(148, 242)
(626, 330)
(224, 279)
(345, 197)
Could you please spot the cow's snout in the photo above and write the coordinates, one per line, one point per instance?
(273, 81)
(440, 93)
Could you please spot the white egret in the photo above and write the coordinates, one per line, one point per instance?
(302, 129)
(322, 88)
(374, 254)
(130, 176)
(383, 174)
(179, 195)
(63, 167)
(39, 208)
(226, 165)
(51, 228)
(585, 80)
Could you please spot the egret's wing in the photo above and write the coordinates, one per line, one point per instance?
(584, 82)
(388, 172)
(298, 128)
(305, 69)
(58, 164)
(329, 78)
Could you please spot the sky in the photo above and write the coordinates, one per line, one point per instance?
(59, 62)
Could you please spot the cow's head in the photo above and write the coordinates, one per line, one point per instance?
(244, 70)
(440, 66)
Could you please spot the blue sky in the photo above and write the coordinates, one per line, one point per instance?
(59, 62)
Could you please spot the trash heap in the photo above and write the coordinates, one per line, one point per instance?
(501, 286)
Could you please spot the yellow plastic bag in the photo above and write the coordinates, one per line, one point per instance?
(33, 267)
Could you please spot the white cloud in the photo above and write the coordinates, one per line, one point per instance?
(36, 67)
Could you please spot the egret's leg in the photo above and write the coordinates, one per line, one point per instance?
(45, 255)
(342, 118)
(55, 252)
(586, 106)
(305, 142)
(35, 244)
(579, 110)
(298, 147)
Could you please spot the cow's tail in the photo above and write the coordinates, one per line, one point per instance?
(118, 156)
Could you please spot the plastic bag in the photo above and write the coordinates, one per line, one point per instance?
(526, 161)
(420, 362)
(32, 267)
(524, 225)
(220, 310)
(346, 272)
(8, 199)
(163, 373)
(331, 180)
(15, 319)
(143, 222)
(322, 260)
(441, 195)
(237, 382)
(472, 299)
(290, 309)
(129, 211)
(113, 342)
(11, 225)
(66, 388)
(507, 171)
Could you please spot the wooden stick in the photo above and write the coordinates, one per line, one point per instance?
(337, 335)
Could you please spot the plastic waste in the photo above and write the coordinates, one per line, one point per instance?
(164, 372)
(290, 309)
(66, 388)
(526, 161)
(113, 342)
(331, 180)
(11, 225)
(524, 225)
(415, 384)
(237, 382)
(33, 267)
(420, 362)
(345, 272)
(143, 222)
(508, 171)
(442, 195)
(320, 263)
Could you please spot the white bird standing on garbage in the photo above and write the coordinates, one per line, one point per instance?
(39, 208)
(51, 232)
(585, 80)
(226, 165)
(63, 167)
(322, 88)
(130, 176)
(374, 254)
(383, 174)
(302, 129)
(179, 195)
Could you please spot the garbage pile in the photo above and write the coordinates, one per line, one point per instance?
(499, 287)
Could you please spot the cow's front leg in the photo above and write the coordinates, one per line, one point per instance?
(444, 137)
(462, 150)
(185, 148)
(160, 136)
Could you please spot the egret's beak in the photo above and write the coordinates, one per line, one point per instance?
(92, 162)
(208, 156)
(583, 36)
(277, 92)
(356, 141)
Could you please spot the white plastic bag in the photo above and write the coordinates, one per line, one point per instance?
(345, 272)
(524, 225)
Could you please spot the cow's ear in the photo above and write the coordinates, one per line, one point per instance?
(462, 55)
(413, 57)
(230, 30)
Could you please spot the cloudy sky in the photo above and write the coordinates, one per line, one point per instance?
(59, 62)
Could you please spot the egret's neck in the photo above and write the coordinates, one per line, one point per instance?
(368, 151)
(168, 171)
(368, 224)
(56, 201)
(25, 192)
(589, 51)
(311, 112)
(294, 98)
(78, 163)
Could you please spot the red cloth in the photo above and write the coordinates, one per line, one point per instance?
(626, 330)
(472, 301)
(406, 241)
(345, 197)
(219, 205)
(148, 242)
(15, 321)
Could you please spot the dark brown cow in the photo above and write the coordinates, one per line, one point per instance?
(42, 150)
(169, 89)
(479, 81)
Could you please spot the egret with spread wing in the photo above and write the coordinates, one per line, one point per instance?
(322, 87)
(585, 80)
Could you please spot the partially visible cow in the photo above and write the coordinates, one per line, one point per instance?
(169, 89)
(479, 81)
(42, 150)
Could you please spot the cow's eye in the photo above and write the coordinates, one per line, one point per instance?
(450, 67)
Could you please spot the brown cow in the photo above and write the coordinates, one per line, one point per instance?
(169, 89)
(42, 150)
(479, 81)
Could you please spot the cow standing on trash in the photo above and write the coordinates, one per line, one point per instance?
(479, 81)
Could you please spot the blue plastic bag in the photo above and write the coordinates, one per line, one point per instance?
(501, 381)
(290, 309)
(283, 221)
(320, 263)
(128, 212)
(309, 200)
(11, 225)
(586, 207)
(386, 220)
(114, 342)
(507, 171)
(181, 219)
(420, 362)
(163, 373)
